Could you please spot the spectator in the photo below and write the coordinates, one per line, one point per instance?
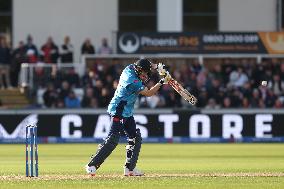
(227, 68)
(113, 88)
(50, 96)
(245, 103)
(94, 103)
(191, 84)
(87, 47)
(98, 88)
(18, 57)
(217, 72)
(60, 104)
(30, 47)
(71, 101)
(89, 79)
(255, 98)
(263, 92)
(171, 99)
(57, 76)
(214, 90)
(87, 98)
(73, 78)
(238, 78)
(246, 90)
(196, 67)
(270, 99)
(105, 97)
(50, 51)
(202, 77)
(276, 85)
(257, 75)
(65, 90)
(31, 56)
(268, 75)
(261, 103)
(185, 73)
(40, 64)
(227, 102)
(202, 98)
(66, 51)
(212, 104)
(104, 48)
(5, 63)
(108, 80)
(278, 103)
(235, 97)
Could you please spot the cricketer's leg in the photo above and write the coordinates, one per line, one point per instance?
(132, 150)
(134, 143)
(106, 148)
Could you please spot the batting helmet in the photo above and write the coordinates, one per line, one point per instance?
(143, 65)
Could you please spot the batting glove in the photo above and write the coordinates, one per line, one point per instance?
(161, 69)
(166, 78)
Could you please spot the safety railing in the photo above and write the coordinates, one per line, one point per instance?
(32, 73)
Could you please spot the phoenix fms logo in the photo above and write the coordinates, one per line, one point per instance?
(129, 42)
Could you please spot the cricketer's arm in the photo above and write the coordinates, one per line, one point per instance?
(152, 91)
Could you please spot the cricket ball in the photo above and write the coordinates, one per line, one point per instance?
(264, 83)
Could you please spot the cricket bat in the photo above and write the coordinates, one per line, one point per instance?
(182, 91)
(177, 86)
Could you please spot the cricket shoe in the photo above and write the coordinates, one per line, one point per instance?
(134, 172)
(91, 170)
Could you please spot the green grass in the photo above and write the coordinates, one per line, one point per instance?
(166, 166)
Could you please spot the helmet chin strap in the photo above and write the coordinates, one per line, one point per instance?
(148, 78)
(146, 81)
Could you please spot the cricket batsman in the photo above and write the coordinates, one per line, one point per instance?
(131, 83)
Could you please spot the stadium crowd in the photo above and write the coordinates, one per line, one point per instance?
(49, 53)
(231, 83)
